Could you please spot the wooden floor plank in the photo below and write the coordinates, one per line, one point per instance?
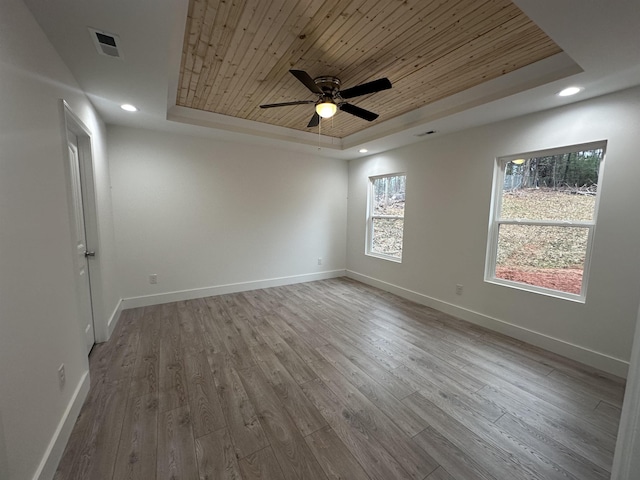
(469, 402)
(176, 447)
(294, 456)
(242, 420)
(172, 390)
(527, 460)
(562, 427)
(303, 346)
(242, 317)
(610, 415)
(398, 387)
(144, 377)
(612, 395)
(555, 391)
(374, 458)
(346, 379)
(578, 465)
(216, 457)
(97, 455)
(334, 458)
(261, 465)
(190, 336)
(138, 442)
(440, 474)
(206, 412)
(496, 461)
(462, 465)
(553, 360)
(300, 409)
(123, 355)
(223, 327)
(298, 369)
(211, 340)
(334, 379)
(581, 408)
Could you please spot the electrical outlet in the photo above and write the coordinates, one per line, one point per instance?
(458, 289)
(61, 375)
(319, 260)
(153, 278)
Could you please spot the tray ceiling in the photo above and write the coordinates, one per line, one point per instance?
(237, 54)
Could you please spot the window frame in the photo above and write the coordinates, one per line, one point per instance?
(495, 221)
(371, 216)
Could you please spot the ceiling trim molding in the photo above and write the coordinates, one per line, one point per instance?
(250, 127)
(553, 68)
(545, 71)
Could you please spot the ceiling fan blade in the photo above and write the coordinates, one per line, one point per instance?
(366, 88)
(307, 81)
(286, 104)
(358, 112)
(315, 120)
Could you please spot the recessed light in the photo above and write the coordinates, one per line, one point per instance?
(363, 150)
(567, 92)
(128, 107)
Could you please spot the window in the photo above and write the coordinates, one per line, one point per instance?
(543, 219)
(385, 222)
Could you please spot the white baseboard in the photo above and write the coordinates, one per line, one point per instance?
(47, 468)
(113, 319)
(181, 295)
(584, 355)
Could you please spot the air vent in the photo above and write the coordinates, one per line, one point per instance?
(106, 43)
(430, 132)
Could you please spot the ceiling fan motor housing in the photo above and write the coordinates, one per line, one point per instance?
(329, 85)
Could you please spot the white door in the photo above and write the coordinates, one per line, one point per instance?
(81, 253)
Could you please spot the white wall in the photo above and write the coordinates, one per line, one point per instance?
(449, 181)
(202, 213)
(39, 324)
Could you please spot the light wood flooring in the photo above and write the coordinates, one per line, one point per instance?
(334, 380)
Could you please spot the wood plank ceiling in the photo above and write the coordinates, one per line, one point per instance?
(237, 54)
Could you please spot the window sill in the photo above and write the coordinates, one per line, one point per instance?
(538, 290)
(384, 257)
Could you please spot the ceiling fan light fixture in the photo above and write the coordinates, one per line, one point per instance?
(326, 109)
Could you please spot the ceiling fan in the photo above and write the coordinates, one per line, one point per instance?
(331, 98)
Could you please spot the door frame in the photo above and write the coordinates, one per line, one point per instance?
(625, 460)
(72, 124)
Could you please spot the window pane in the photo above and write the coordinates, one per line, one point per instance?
(556, 187)
(388, 195)
(387, 236)
(549, 257)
